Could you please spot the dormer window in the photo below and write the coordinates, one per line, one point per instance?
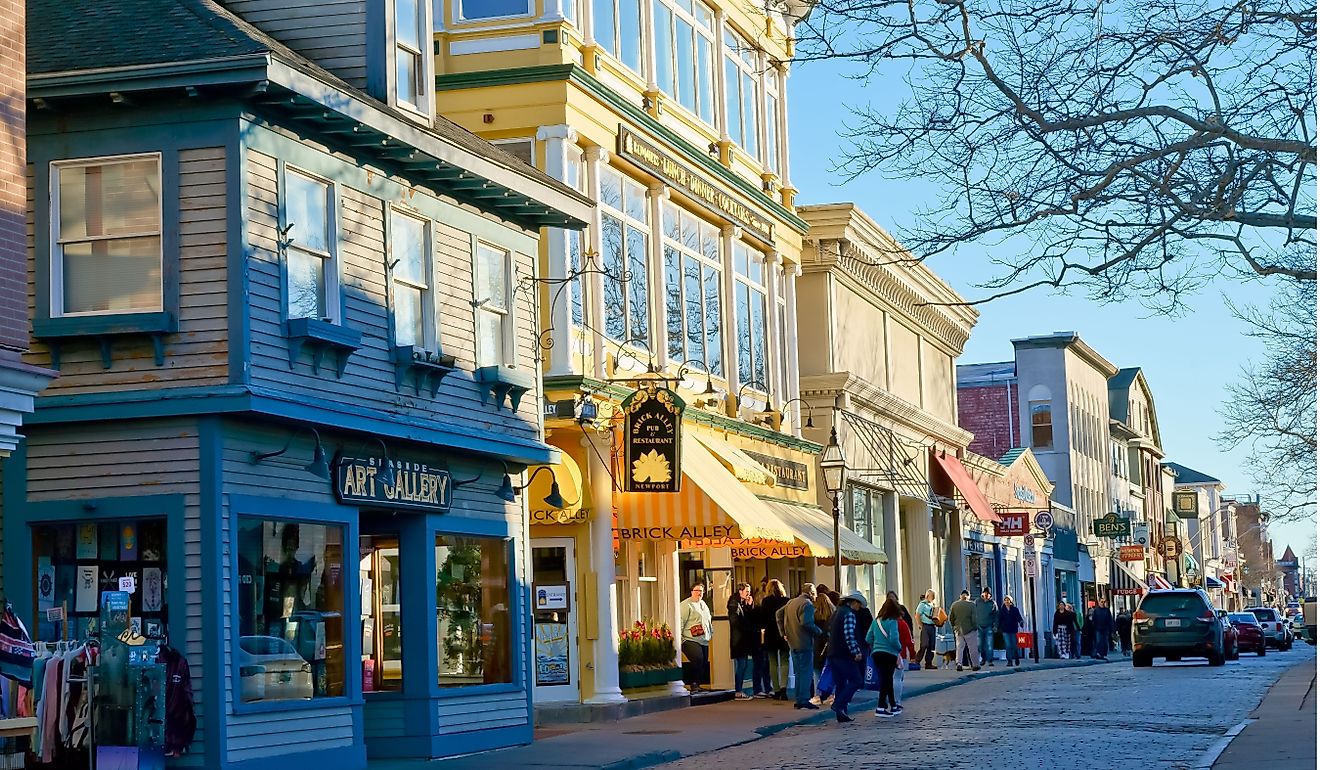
(412, 61)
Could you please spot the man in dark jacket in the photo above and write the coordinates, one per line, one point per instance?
(987, 617)
(1123, 624)
(1010, 620)
(845, 653)
(1102, 620)
(798, 620)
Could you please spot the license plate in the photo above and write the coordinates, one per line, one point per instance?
(1172, 623)
(286, 677)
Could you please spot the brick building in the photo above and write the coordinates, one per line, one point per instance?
(987, 404)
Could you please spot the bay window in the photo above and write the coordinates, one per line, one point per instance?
(106, 225)
(494, 306)
(496, 9)
(308, 213)
(576, 177)
(411, 49)
(692, 290)
(617, 28)
(750, 309)
(410, 253)
(741, 93)
(624, 228)
(684, 35)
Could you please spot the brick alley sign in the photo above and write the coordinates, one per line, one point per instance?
(1112, 525)
(1131, 553)
(652, 432)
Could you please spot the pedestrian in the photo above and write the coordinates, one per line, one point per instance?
(1010, 620)
(696, 630)
(1063, 623)
(744, 632)
(908, 653)
(987, 618)
(1102, 621)
(863, 627)
(845, 653)
(1078, 622)
(886, 648)
(1088, 632)
(926, 616)
(797, 619)
(824, 613)
(1123, 624)
(963, 617)
(776, 648)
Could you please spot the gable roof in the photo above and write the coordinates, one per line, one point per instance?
(1012, 455)
(1288, 554)
(122, 36)
(1184, 475)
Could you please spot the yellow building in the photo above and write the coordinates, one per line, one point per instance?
(670, 114)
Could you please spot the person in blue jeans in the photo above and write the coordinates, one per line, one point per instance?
(1102, 620)
(743, 635)
(1010, 622)
(987, 617)
(845, 653)
(797, 621)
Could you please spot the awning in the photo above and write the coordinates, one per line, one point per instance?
(1189, 564)
(957, 473)
(569, 477)
(1125, 577)
(1213, 582)
(743, 468)
(711, 503)
(815, 528)
(1157, 582)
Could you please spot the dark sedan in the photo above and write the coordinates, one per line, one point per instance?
(1250, 637)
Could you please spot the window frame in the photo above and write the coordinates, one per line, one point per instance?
(480, 306)
(772, 91)
(459, 10)
(55, 257)
(331, 268)
(710, 34)
(516, 604)
(430, 341)
(576, 242)
(1032, 408)
(716, 264)
(421, 105)
(741, 279)
(742, 55)
(615, 49)
(627, 223)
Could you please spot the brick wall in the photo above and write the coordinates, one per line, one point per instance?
(13, 194)
(985, 411)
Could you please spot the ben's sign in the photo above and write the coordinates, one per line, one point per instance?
(1112, 525)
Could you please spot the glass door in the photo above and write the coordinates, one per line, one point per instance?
(381, 613)
(554, 619)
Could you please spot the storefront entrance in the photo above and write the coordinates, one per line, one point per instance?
(555, 620)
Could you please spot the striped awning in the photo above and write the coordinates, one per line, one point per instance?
(815, 529)
(711, 503)
(743, 467)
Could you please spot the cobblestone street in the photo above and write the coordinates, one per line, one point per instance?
(1089, 718)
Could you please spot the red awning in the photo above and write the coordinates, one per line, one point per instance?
(957, 473)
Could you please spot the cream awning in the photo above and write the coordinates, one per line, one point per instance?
(743, 467)
(815, 528)
(711, 503)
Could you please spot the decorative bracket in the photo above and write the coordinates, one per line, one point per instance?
(322, 337)
(426, 368)
(502, 381)
(57, 332)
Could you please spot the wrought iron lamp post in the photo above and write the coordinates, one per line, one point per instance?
(832, 466)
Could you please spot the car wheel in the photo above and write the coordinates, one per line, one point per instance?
(1216, 658)
(1141, 660)
(1261, 652)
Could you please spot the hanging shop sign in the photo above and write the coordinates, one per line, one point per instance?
(1171, 547)
(1141, 534)
(1186, 504)
(1127, 592)
(652, 433)
(1012, 525)
(787, 473)
(696, 186)
(416, 486)
(1112, 525)
(560, 515)
(1044, 520)
(1131, 553)
(750, 548)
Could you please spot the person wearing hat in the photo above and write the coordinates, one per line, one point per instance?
(846, 652)
(962, 616)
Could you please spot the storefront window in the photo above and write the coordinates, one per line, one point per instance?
(75, 562)
(692, 290)
(474, 610)
(290, 610)
(381, 587)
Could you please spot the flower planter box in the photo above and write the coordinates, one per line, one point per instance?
(649, 677)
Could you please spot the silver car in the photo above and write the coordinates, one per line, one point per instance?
(1277, 633)
(269, 668)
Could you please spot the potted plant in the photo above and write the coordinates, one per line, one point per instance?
(646, 655)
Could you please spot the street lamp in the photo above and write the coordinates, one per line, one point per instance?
(832, 466)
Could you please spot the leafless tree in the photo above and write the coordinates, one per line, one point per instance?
(1129, 148)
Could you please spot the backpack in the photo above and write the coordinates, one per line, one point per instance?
(940, 616)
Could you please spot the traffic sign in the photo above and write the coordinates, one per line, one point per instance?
(1030, 564)
(1044, 520)
(1029, 541)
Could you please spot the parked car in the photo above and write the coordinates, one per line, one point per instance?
(1176, 624)
(1308, 617)
(269, 668)
(1230, 637)
(1250, 636)
(1293, 608)
(1271, 622)
(1297, 624)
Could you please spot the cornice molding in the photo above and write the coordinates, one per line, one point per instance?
(884, 405)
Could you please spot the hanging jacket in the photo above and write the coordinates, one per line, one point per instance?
(180, 718)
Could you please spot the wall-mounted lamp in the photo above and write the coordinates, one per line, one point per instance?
(509, 493)
(386, 473)
(784, 411)
(318, 467)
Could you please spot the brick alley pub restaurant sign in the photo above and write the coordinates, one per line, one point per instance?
(417, 486)
(652, 433)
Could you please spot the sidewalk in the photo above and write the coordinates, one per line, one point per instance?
(654, 739)
(1280, 733)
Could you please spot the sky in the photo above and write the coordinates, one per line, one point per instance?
(1189, 361)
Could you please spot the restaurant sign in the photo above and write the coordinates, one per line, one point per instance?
(652, 432)
(696, 186)
(787, 473)
(416, 486)
(1131, 553)
(1112, 525)
(750, 548)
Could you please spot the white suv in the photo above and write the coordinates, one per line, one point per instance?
(1277, 632)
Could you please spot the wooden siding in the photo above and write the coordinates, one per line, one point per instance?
(199, 353)
(332, 33)
(470, 713)
(94, 460)
(269, 734)
(370, 375)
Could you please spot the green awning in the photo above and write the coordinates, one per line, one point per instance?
(1189, 564)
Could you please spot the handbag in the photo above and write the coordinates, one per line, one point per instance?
(871, 680)
(696, 629)
(826, 684)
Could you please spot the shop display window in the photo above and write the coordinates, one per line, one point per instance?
(474, 610)
(74, 562)
(290, 610)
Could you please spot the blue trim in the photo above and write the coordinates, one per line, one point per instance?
(17, 567)
(238, 255)
(210, 438)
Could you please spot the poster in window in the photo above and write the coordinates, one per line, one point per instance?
(86, 588)
(107, 541)
(87, 540)
(45, 584)
(151, 535)
(551, 654)
(153, 590)
(64, 537)
(128, 541)
(66, 580)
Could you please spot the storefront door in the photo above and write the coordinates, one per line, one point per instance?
(555, 619)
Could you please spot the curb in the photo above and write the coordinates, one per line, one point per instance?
(1217, 748)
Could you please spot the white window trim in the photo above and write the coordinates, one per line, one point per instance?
(763, 289)
(623, 216)
(745, 68)
(56, 255)
(424, 106)
(332, 268)
(430, 341)
(712, 35)
(717, 264)
(509, 325)
(459, 18)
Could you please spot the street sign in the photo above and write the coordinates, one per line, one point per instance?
(1141, 534)
(1029, 541)
(1171, 547)
(1011, 525)
(1044, 520)
(1111, 525)
(1030, 565)
(1131, 553)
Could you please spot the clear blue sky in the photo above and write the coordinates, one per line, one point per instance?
(1189, 361)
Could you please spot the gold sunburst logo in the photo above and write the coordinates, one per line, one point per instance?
(651, 467)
